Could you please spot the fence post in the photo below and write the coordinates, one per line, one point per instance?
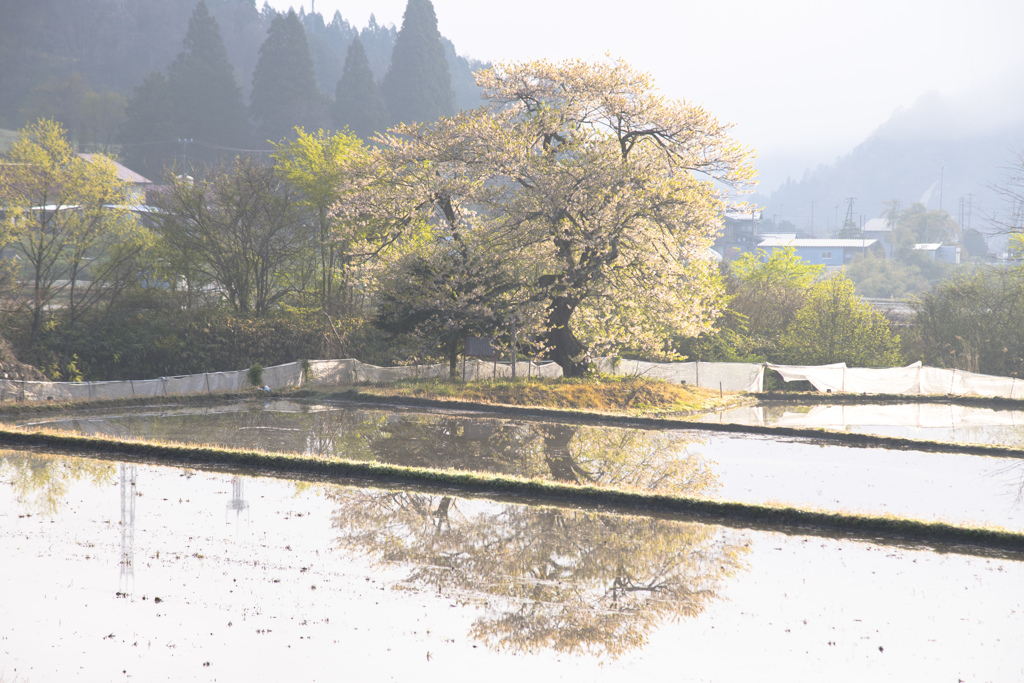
(207, 377)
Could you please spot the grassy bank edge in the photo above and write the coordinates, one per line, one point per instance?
(18, 409)
(941, 536)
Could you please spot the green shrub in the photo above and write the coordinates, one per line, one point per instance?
(255, 375)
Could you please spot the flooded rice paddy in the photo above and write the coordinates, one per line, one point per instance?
(134, 572)
(116, 571)
(923, 421)
(817, 474)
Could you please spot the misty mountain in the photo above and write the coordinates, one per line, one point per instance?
(941, 149)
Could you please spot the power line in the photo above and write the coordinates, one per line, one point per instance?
(177, 141)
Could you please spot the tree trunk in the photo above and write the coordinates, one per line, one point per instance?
(563, 346)
(557, 456)
(453, 360)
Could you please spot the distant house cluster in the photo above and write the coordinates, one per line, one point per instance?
(740, 235)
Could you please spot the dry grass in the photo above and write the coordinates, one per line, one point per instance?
(602, 394)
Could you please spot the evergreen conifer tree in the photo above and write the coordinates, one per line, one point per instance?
(379, 43)
(207, 102)
(357, 101)
(418, 86)
(284, 90)
(149, 127)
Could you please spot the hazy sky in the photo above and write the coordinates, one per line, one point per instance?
(803, 80)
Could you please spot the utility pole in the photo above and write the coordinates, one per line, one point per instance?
(849, 213)
(184, 152)
(942, 181)
(812, 219)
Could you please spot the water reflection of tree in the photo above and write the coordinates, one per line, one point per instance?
(573, 581)
(662, 461)
(41, 481)
(343, 433)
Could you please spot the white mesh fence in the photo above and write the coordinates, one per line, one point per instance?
(287, 376)
(914, 379)
(721, 376)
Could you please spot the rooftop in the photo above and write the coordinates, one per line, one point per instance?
(124, 173)
(816, 243)
(752, 215)
(878, 225)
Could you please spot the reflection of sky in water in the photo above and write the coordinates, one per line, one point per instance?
(268, 592)
(748, 468)
(926, 421)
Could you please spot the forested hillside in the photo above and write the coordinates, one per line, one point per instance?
(160, 81)
(939, 150)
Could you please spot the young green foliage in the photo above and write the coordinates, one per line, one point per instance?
(68, 221)
(769, 290)
(317, 165)
(238, 229)
(835, 325)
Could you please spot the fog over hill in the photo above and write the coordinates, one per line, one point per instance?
(941, 149)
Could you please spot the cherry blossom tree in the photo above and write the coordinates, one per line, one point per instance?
(608, 193)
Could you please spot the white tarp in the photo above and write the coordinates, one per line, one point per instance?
(823, 377)
(915, 379)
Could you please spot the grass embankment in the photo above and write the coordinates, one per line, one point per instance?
(637, 396)
(21, 409)
(872, 528)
